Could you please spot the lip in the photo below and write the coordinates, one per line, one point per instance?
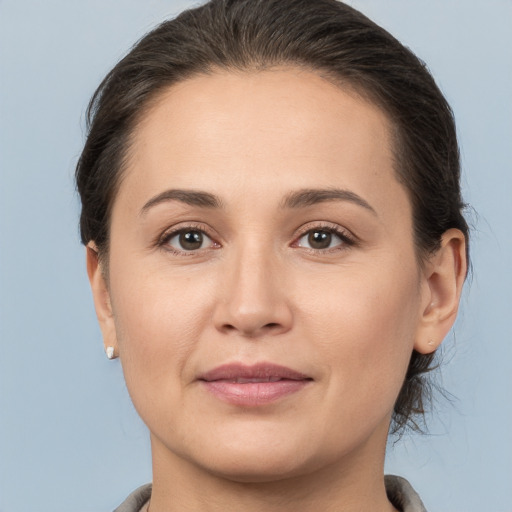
(254, 385)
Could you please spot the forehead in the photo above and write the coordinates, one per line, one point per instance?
(250, 131)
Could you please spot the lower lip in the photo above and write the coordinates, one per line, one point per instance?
(253, 394)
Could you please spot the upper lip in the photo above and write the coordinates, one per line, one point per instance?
(262, 372)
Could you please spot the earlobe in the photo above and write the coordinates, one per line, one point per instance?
(101, 297)
(444, 278)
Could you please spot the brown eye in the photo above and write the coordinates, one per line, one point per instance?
(321, 239)
(189, 240)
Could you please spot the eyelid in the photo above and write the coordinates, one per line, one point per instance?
(347, 237)
(163, 240)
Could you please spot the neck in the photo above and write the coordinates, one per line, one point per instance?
(347, 486)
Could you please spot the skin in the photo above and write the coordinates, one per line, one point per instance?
(347, 316)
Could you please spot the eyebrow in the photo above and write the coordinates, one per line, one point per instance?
(190, 197)
(299, 199)
(311, 196)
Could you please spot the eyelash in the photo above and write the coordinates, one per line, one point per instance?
(163, 241)
(346, 238)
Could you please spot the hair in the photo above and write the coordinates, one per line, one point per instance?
(324, 36)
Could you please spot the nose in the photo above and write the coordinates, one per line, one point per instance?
(253, 301)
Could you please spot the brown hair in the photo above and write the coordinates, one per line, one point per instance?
(326, 36)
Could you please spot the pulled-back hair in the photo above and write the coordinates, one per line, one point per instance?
(325, 36)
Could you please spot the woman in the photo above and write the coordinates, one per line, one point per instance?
(276, 249)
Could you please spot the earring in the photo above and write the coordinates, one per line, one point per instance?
(430, 342)
(110, 352)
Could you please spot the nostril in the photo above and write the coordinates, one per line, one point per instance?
(252, 331)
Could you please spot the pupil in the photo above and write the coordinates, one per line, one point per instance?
(191, 240)
(319, 239)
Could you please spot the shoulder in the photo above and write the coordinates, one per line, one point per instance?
(136, 500)
(402, 495)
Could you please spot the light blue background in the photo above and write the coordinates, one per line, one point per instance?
(69, 438)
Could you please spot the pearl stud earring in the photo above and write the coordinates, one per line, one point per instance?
(110, 352)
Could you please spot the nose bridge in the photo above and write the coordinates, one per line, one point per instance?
(252, 276)
(254, 299)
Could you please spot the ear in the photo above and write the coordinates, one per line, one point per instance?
(444, 276)
(101, 297)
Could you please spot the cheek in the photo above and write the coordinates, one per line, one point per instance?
(370, 303)
(159, 319)
(364, 324)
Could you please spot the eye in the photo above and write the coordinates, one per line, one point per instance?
(322, 239)
(189, 240)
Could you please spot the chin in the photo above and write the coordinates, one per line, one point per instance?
(261, 460)
(263, 470)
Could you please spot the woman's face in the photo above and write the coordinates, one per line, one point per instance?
(263, 282)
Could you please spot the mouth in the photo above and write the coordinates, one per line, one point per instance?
(255, 385)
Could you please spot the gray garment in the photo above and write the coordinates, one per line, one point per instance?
(402, 495)
(136, 500)
(399, 491)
